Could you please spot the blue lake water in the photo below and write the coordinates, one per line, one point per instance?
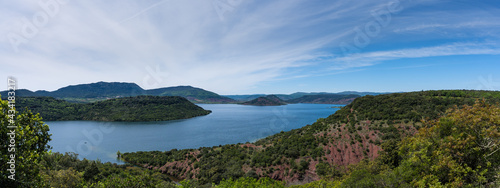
(227, 124)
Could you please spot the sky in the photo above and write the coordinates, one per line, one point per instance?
(253, 46)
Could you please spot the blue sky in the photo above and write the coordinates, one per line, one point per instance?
(251, 46)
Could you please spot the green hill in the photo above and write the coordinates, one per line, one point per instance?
(413, 106)
(98, 90)
(367, 129)
(139, 108)
(191, 93)
(106, 90)
(325, 99)
(270, 100)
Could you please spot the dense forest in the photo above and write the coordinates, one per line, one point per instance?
(66, 170)
(350, 148)
(139, 108)
(325, 99)
(269, 100)
(413, 106)
(430, 139)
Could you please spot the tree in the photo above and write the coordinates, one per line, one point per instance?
(91, 171)
(31, 138)
(249, 182)
(64, 178)
(460, 149)
(327, 171)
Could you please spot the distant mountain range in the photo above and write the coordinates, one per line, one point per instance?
(274, 100)
(93, 92)
(325, 99)
(107, 90)
(297, 95)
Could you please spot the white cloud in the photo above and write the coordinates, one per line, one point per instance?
(90, 41)
(371, 58)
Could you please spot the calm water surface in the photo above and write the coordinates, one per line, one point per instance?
(227, 124)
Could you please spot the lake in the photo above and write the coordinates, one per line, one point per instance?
(227, 124)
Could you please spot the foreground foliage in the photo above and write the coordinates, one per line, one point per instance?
(66, 170)
(460, 149)
(31, 138)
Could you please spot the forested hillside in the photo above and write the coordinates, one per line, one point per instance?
(269, 100)
(140, 108)
(325, 99)
(190, 93)
(370, 129)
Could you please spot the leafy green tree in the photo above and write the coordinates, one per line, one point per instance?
(319, 184)
(69, 178)
(31, 138)
(325, 170)
(91, 172)
(365, 174)
(390, 155)
(250, 183)
(460, 149)
(131, 180)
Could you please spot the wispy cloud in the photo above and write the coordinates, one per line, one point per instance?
(439, 26)
(372, 58)
(258, 41)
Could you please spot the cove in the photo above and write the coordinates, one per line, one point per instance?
(227, 124)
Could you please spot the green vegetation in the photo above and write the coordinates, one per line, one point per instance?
(353, 130)
(250, 182)
(140, 108)
(270, 100)
(98, 90)
(413, 106)
(460, 149)
(193, 94)
(35, 166)
(66, 170)
(30, 137)
(325, 99)
(456, 145)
